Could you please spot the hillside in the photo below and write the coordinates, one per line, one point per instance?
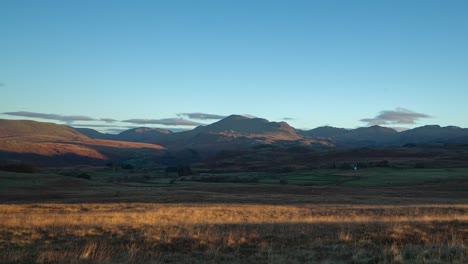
(27, 128)
(368, 136)
(91, 133)
(236, 132)
(434, 134)
(384, 136)
(143, 134)
(253, 126)
(324, 132)
(47, 143)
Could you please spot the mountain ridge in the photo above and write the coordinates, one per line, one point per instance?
(236, 131)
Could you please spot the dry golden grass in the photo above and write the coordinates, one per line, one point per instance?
(218, 233)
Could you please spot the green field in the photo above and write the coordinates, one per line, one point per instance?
(372, 177)
(375, 177)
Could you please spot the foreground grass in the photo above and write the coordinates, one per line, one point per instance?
(184, 233)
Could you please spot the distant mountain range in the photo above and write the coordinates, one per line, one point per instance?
(19, 138)
(236, 130)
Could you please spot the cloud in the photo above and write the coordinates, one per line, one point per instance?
(249, 116)
(115, 130)
(288, 118)
(97, 126)
(108, 120)
(395, 117)
(68, 119)
(202, 116)
(165, 121)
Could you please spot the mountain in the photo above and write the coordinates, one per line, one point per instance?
(362, 136)
(91, 133)
(141, 134)
(368, 136)
(60, 144)
(236, 132)
(324, 132)
(251, 127)
(384, 136)
(32, 129)
(144, 134)
(53, 144)
(434, 134)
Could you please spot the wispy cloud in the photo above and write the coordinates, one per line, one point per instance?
(68, 119)
(164, 121)
(249, 116)
(202, 116)
(62, 118)
(288, 118)
(398, 116)
(108, 120)
(99, 126)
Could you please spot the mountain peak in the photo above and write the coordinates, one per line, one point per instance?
(377, 128)
(236, 117)
(245, 125)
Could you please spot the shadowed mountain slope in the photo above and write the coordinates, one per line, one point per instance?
(434, 134)
(144, 134)
(91, 133)
(324, 132)
(368, 136)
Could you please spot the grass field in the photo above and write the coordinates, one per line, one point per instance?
(363, 177)
(216, 233)
(377, 215)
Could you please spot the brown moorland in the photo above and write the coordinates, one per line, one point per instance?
(62, 219)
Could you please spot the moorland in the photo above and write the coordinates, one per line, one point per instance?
(240, 191)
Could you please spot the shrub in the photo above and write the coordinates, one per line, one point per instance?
(346, 166)
(84, 175)
(20, 167)
(127, 167)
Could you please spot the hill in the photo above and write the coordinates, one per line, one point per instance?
(251, 126)
(434, 134)
(94, 134)
(368, 136)
(47, 143)
(384, 136)
(143, 134)
(237, 132)
(28, 129)
(324, 132)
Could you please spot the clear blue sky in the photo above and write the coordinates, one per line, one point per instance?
(315, 62)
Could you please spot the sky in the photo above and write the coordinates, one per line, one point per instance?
(112, 65)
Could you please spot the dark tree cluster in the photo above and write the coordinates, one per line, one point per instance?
(19, 167)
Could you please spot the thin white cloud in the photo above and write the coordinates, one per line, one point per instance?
(165, 121)
(249, 116)
(56, 117)
(108, 120)
(202, 116)
(62, 118)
